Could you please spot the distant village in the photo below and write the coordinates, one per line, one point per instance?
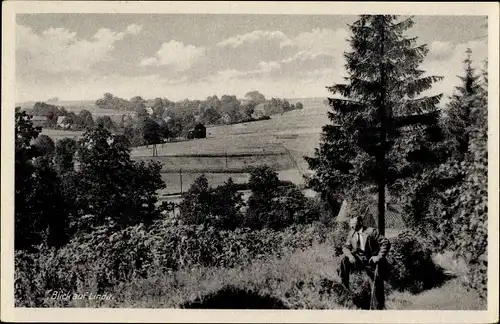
(160, 118)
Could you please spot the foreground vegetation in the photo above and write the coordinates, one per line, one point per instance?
(174, 266)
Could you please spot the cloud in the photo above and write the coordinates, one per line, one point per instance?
(268, 66)
(59, 50)
(176, 55)
(446, 59)
(94, 86)
(440, 50)
(263, 69)
(134, 29)
(318, 42)
(316, 50)
(252, 37)
(276, 54)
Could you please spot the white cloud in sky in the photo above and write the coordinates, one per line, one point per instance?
(307, 63)
(268, 66)
(449, 64)
(317, 48)
(263, 69)
(319, 41)
(176, 55)
(440, 50)
(134, 29)
(252, 37)
(59, 49)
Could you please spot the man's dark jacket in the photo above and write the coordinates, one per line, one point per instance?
(375, 244)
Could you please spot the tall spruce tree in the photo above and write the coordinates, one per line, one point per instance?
(459, 113)
(381, 129)
(466, 113)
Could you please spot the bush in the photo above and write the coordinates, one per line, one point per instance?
(276, 204)
(412, 267)
(107, 256)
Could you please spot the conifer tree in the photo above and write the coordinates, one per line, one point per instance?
(458, 207)
(460, 108)
(382, 129)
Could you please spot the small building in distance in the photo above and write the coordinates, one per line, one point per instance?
(259, 111)
(199, 131)
(39, 121)
(394, 220)
(63, 123)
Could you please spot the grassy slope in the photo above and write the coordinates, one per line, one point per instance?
(296, 280)
(451, 296)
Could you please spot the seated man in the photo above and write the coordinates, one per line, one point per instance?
(365, 249)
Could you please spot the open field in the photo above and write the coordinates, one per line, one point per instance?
(58, 134)
(173, 179)
(249, 144)
(280, 142)
(221, 164)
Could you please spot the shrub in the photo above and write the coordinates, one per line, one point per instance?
(412, 267)
(109, 256)
(219, 207)
(276, 204)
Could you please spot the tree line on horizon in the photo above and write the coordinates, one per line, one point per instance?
(146, 122)
(212, 111)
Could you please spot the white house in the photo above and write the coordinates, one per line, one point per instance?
(62, 122)
(259, 111)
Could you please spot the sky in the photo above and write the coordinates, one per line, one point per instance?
(193, 56)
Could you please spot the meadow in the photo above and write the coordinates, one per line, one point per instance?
(58, 134)
(228, 151)
(247, 144)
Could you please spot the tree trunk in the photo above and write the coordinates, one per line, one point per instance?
(383, 138)
(381, 206)
(382, 162)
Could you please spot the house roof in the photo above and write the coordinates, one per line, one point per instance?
(260, 107)
(393, 215)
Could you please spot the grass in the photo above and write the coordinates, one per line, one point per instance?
(301, 280)
(173, 179)
(252, 144)
(451, 296)
(58, 134)
(220, 164)
(297, 280)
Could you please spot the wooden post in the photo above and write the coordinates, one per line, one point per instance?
(180, 174)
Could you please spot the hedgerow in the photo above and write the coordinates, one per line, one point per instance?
(107, 257)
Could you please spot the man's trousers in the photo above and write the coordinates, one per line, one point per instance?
(346, 267)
